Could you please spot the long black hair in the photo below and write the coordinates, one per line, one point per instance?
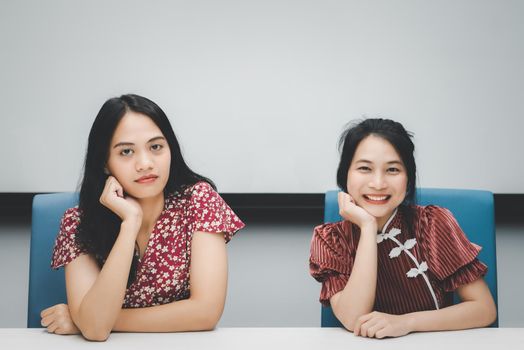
(99, 226)
(399, 138)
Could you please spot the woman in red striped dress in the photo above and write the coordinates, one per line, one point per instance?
(388, 267)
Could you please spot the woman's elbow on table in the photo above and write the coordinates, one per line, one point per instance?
(206, 323)
(348, 323)
(208, 318)
(92, 329)
(93, 334)
(347, 319)
(489, 314)
(206, 315)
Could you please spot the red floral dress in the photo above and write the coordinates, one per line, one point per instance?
(163, 271)
(416, 270)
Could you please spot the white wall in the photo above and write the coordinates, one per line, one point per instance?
(258, 91)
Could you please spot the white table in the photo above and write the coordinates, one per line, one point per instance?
(268, 339)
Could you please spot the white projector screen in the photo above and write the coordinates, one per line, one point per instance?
(258, 92)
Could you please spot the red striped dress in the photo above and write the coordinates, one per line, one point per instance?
(416, 271)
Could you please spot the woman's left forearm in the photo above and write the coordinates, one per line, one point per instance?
(477, 309)
(178, 316)
(468, 314)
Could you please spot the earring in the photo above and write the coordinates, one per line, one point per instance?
(106, 171)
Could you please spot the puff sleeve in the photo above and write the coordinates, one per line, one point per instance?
(452, 258)
(331, 258)
(66, 249)
(208, 212)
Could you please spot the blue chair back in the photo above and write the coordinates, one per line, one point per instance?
(46, 286)
(475, 213)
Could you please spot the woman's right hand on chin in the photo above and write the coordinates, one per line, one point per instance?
(350, 211)
(126, 207)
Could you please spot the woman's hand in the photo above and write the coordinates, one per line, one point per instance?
(380, 325)
(350, 211)
(57, 319)
(127, 208)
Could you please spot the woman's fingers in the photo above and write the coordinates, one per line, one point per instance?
(351, 211)
(367, 326)
(47, 312)
(116, 187)
(357, 329)
(46, 321)
(51, 328)
(111, 188)
(340, 200)
(51, 323)
(344, 203)
(112, 197)
(110, 185)
(103, 196)
(373, 329)
(119, 190)
(57, 319)
(382, 333)
(112, 191)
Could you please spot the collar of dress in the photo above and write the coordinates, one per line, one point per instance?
(389, 221)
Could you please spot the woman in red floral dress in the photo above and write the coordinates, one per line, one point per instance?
(144, 251)
(388, 268)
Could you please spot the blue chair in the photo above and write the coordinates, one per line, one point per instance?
(46, 286)
(475, 213)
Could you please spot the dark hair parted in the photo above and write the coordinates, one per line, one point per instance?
(99, 226)
(398, 137)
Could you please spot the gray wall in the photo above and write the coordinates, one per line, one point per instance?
(269, 283)
(267, 85)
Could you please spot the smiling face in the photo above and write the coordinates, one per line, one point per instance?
(377, 178)
(139, 156)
